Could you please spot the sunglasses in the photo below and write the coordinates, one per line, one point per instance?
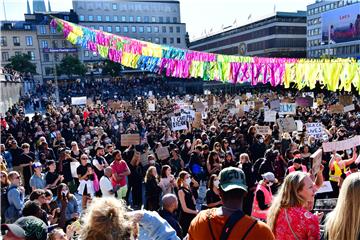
(18, 177)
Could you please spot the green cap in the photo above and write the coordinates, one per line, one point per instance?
(232, 178)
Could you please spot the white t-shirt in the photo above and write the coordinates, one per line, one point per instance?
(106, 186)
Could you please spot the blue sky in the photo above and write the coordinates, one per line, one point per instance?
(199, 15)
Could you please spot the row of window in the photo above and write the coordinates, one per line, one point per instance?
(313, 32)
(346, 50)
(331, 5)
(141, 7)
(140, 29)
(116, 18)
(43, 30)
(16, 41)
(314, 21)
(314, 43)
(5, 55)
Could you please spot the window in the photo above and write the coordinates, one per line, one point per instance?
(42, 30)
(174, 19)
(153, 19)
(56, 57)
(91, 18)
(133, 29)
(86, 53)
(101, 28)
(82, 18)
(98, 18)
(149, 40)
(156, 29)
(17, 53)
(178, 40)
(115, 18)
(171, 29)
(177, 29)
(92, 26)
(48, 71)
(141, 29)
(148, 29)
(171, 40)
(32, 55)
(114, 6)
(52, 30)
(94, 54)
(164, 41)
(27, 26)
(44, 44)
(146, 19)
(126, 29)
(64, 43)
(167, 19)
(163, 29)
(157, 40)
(117, 29)
(16, 41)
(123, 18)
(131, 19)
(46, 57)
(5, 56)
(3, 41)
(107, 18)
(109, 28)
(161, 19)
(29, 40)
(138, 19)
(66, 18)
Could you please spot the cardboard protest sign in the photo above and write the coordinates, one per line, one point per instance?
(337, 108)
(197, 121)
(341, 145)
(349, 108)
(326, 187)
(263, 130)
(130, 139)
(89, 102)
(78, 100)
(151, 107)
(286, 124)
(179, 123)
(316, 161)
(210, 100)
(237, 102)
(275, 105)
(162, 153)
(287, 108)
(270, 116)
(345, 100)
(315, 130)
(73, 167)
(304, 101)
(258, 105)
(116, 105)
(241, 111)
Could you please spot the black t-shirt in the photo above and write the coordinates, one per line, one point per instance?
(82, 170)
(50, 177)
(212, 197)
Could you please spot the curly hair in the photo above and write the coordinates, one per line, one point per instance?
(106, 219)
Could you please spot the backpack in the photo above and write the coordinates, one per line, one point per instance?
(11, 214)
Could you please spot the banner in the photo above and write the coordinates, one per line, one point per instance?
(179, 123)
(129, 139)
(162, 153)
(315, 130)
(286, 124)
(78, 100)
(341, 145)
(287, 108)
(263, 130)
(316, 161)
(304, 101)
(270, 116)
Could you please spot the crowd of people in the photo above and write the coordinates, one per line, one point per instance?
(68, 174)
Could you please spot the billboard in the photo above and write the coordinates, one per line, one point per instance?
(341, 25)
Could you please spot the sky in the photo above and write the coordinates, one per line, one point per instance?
(200, 16)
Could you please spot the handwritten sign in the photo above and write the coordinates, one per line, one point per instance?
(316, 161)
(275, 105)
(315, 130)
(341, 145)
(349, 108)
(179, 123)
(197, 121)
(308, 94)
(326, 187)
(286, 124)
(345, 100)
(151, 107)
(287, 108)
(162, 153)
(199, 106)
(190, 114)
(78, 100)
(304, 101)
(337, 108)
(263, 130)
(73, 167)
(299, 125)
(130, 139)
(270, 116)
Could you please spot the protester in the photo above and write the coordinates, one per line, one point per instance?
(167, 212)
(69, 209)
(263, 196)
(120, 172)
(15, 198)
(167, 180)
(106, 186)
(37, 180)
(212, 193)
(24, 228)
(86, 177)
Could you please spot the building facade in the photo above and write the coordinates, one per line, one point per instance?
(280, 35)
(19, 37)
(333, 29)
(153, 21)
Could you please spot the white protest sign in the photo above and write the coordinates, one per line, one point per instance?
(237, 102)
(150, 93)
(315, 129)
(326, 187)
(179, 123)
(287, 108)
(78, 100)
(270, 116)
(316, 161)
(299, 125)
(151, 107)
(349, 108)
(341, 145)
(204, 115)
(263, 130)
(190, 114)
(73, 168)
(248, 95)
(286, 124)
(233, 111)
(310, 94)
(275, 105)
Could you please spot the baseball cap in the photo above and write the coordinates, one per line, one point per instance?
(30, 228)
(232, 178)
(36, 165)
(269, 176)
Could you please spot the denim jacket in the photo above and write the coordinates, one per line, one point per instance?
(154, 227)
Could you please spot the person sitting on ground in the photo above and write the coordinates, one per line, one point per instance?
(33, 208)
(37, 180)
(212, 193)
(169, 206)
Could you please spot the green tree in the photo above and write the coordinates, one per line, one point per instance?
(21, 63)
(70, 66)
(111, 68)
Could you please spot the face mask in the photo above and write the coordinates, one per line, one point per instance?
(64, 192)
(349, 152)
(152, 162)
(261, 140)
(188, 181)
(269, 184)
(216, 183)
(48, 201)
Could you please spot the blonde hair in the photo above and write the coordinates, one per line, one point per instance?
(181, 177)
(344, 222)
(149, 174)
(106, 219)
(288, 196)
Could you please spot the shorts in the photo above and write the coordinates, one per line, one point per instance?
(121, 192)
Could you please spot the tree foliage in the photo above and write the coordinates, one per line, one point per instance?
(22, 63)
(111, 68)
(70, 66)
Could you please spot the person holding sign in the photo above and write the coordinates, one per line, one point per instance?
(337, 168)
